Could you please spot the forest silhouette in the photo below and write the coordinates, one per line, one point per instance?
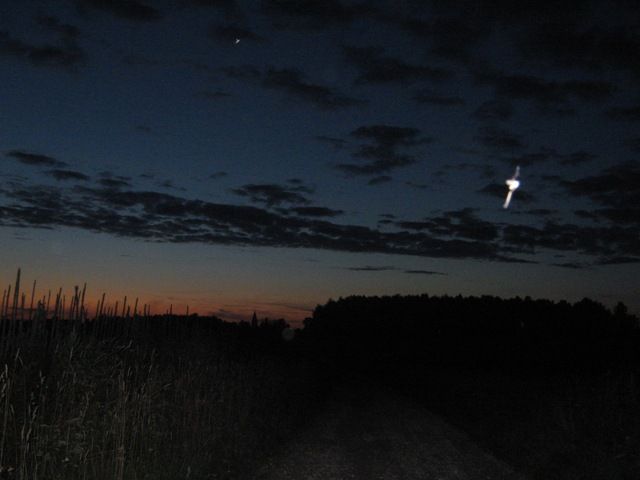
(384, 332)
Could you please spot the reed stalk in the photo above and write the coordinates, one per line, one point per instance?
(84, 289)
(6, 312)
(33, 294)
(16, 296)
(48, 303)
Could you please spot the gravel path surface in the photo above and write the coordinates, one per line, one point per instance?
(366, 433)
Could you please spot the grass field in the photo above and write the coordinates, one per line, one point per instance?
(199, 401)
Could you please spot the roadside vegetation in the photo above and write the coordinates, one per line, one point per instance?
(143, 396)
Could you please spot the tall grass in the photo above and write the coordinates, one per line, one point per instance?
(142, 397)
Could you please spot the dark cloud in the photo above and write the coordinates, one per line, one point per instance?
(455, 224)
(370, 269)
(484, 170)
(419, 186)
(459, 30)
(36, 159)
(67, 175)
(546, 154)
(494, 110)
(125, 9)
(599, 242)
(551, 178)
(169, 184)
(379, 180)
(336, 143)
(423, 272)
(224, 4)
(272, 194)
(66, 55)
(631, 114)
(141, 60)
(383, 152)
(616, 190)
(563, 34)
(571, 265)
(144, 129)
(507, 13)
(542, 212)
(498, 139)
(549, 95)
(114, 183)
(215, 95)
(66, 31)
(313, 14)
(387, 135)
(230, 33)
(293, 83)
(576, 158)
(229, 8)
(620, 215)
(451, 37)
(376, 68)
(109, 174)
(633, 144)
(242, 72)
(586, 214)
(217, 175)
(316, 211)
(617, 186)
(598, 47)
(431, 98)
(167, 218)
(619, 260)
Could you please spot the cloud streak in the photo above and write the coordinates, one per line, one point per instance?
(293, 83)
(124, 9)
(34, 159)
(168, 218)
(458, 234)
(67, 55)
(273, 195)
(376, 68)
(383, 150)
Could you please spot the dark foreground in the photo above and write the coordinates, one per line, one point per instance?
(366, 432)
(375, 388)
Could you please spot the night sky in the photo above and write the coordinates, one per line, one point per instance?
(270, 155)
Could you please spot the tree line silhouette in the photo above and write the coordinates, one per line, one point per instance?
(380, 332)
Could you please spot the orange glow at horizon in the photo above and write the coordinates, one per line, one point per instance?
(234, 308)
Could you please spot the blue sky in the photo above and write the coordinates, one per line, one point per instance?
(269, 155)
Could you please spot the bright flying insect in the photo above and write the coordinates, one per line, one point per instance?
(513, 184)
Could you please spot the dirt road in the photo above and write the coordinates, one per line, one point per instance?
(366, 433)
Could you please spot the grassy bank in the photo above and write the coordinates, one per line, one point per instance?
(185, 405)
